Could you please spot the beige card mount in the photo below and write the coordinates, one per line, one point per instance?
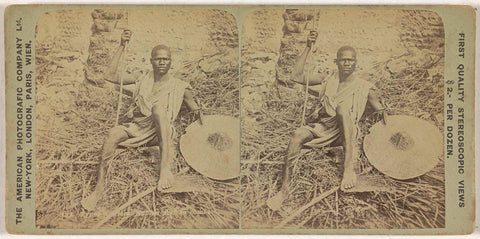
(133, 119)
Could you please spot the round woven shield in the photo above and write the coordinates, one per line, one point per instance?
(213, 149)
(405, 148)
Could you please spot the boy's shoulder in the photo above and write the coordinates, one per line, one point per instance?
(179, 81)
(362, 75)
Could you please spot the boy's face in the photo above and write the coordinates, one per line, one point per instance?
(346, 62)
(161, 61)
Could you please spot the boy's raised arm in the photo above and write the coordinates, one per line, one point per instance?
(298, 73)
(112, 74)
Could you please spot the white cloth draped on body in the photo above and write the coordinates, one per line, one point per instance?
(167, 94)
(353, 97)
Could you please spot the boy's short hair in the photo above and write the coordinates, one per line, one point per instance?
(160, 47)
(346, 48)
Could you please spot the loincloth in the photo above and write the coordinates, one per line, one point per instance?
(353, 97)
(142, 131)
(325, 132)
(167, 96)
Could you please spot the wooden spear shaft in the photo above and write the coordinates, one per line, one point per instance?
(119, 105)
(123, 62)
(306, 79)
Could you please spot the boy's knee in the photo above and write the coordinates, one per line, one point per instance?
(158, 113)
(340, 114)
(300, 135)
(116, 134)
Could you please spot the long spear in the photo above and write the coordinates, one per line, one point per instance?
(121, 84)
(123, 62)
(306, 78)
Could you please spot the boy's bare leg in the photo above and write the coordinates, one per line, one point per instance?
(163, 130)
(301, 136)
(115, 136)
(347, 129)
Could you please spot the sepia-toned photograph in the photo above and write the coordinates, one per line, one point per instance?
(240, 119)
(137, 119)
(342, 119)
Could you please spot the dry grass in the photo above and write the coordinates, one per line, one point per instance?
(68, 151)
(74, 117)
(414, 203)
(73, 120)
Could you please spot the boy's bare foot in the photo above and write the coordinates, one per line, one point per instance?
(90, 202)
(349, 179)
(275, 202)
(166, 180)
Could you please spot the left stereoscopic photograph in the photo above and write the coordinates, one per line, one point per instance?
(137, 119)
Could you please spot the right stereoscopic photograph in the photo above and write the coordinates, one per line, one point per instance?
(342, 119)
